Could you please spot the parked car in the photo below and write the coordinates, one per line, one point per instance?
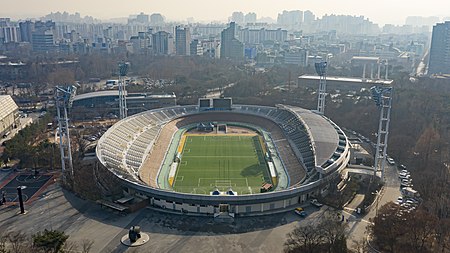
(299, 211)
(391, 161)
(316, 203)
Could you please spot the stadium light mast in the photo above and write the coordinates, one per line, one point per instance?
(123, 70)
(321, 69)
(64, 100)
(383, 99)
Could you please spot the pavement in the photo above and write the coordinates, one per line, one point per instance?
(358, 224)
(82, 219)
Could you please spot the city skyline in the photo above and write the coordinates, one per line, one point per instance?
(383, 12)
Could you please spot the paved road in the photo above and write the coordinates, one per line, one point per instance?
(59, 209)
(391, 191)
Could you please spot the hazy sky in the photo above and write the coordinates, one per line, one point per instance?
(379, 11)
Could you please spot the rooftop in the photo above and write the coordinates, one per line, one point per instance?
(349, 79)
(323, 135)
(108, 93)
(7, 106)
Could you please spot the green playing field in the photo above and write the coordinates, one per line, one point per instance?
(221, 161)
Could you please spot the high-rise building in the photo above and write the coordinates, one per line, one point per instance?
(196, 47)
(5, 22)
(258, 36)
(439, 62)
(26, 29)
(290, 18)
(142, 18)
(182, 40)
(308, 17)
(9, 34)
(230, 47)
(43, 37)
(250, 17)
(162, 43)
(237, 17)
(156, 19)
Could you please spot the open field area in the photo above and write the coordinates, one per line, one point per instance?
(221, 161)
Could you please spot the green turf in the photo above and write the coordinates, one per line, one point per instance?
(221, 161)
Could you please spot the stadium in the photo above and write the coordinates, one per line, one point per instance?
(218, 158)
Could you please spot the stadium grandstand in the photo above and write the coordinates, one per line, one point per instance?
(306, 150)
(9, 115)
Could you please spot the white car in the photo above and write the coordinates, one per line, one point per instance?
(316, 203)
(391, 161)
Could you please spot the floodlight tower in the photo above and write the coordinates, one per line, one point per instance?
(64, 100)
(382, 96)
(123, 70)
(321, 69)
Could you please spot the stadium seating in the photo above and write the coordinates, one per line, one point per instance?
(125, 147)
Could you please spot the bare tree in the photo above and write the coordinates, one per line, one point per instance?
(69, 247)
(18, 242)
(86, 245)
(303, 239)
(328, 235)
(3, 239)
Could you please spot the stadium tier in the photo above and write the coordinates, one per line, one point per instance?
(306, 150)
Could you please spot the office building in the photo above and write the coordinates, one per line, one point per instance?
(142, 18)
(43, 41)
(250, 17)
(258, 36)
(162, 43)
(43, 37)
(439, 62)
(9, 34)
(196, 47)
(26, 29)
(290, 18)
(230, 47)
(237, 17)
(182, 40)
(156, 19)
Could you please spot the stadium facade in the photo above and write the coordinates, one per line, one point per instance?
(313, 151)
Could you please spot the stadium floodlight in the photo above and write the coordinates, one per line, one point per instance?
(321, 69)
(64, 100)
(382, 97)
(71, 92)
(123, 71)
(123, 68)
